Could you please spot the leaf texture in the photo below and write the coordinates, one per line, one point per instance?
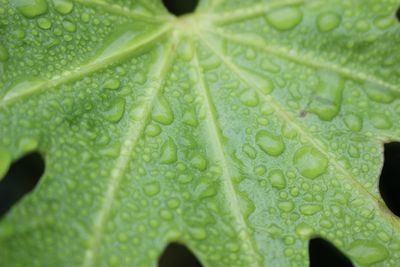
(242, 130)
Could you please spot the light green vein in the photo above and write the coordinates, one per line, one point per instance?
(81, 71)
(301, 130)
(132, 137)
(217, 144)
(301, 59)
(122, 11)
(250, 12)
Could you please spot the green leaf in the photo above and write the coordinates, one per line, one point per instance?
(242, 130)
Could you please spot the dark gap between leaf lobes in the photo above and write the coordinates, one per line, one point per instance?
(177, 255)
(180, 7)
(389, 182)
(324, 254)
(21, 178)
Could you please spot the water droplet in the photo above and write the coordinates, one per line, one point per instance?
(379, 94)
(277, 179)
(198, 233)
(69, 26)
(327, 98)
(115, 113)
(284, 19)
(367, 252)
(152, 189)
(162, 112)
(44, 23)
(112, 84)
(304, 230)
(32, 8)
(310, 162)
(286, 205)
(310, 209)
(63, 7)
(269, 143)
(190, 118)
(153, 130)
(199, 162)
(5, 162)
(328, 21)
(3, 53)
(168, 152)
(249, 151)
(353, 122)
(249, 98)
(380, 121)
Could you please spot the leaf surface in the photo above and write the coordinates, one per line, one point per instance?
(242, 130)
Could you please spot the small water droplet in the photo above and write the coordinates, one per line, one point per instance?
(3, 53)
(249, 98)
(310, 162)
(379, 94)
(380, 121)
(353, 122)
(115, 113)
(152, 188)
(277, 179)
(162, 112)
(328, 21)
(249, 151)
(284, 19)
(310, 209)
(63, 7)
(69, 26)
(199, 162)
(44, 23)
(112, 84)
(5, 161)
(367, 252)
(32, 8)
(153, 130)
(168, 152)
(304, 230)
(286, 205)
(198, 233)
(187, 50)
(271, 144)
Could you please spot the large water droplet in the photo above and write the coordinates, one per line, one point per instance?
(367, 252)
(310, 162)
(168, 152)
(31, 8)
(269, 143)
(162, 112)
(3, 53)
(328, 21)
(63, 7)
(5, 161)
(115, 113)
(327, 98)
(285, 18)
(112, 84)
